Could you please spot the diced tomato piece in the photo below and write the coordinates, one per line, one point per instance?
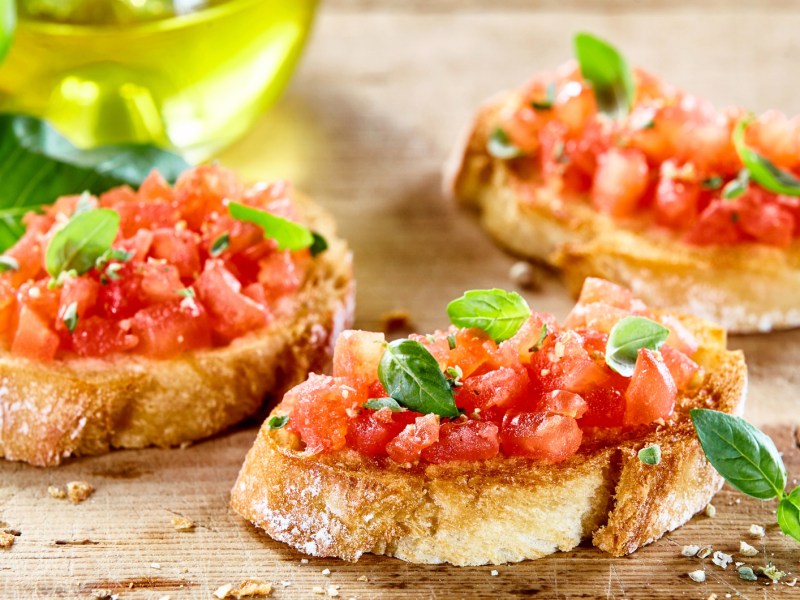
(155, 189)
(121, 296)
(601, 290)
(139, 244)
(522, 128)
(43, 300)
(8, 308)
(66, 205)
(652, 392)
(562, 402)
(575, 105)
(279, 274)
(469, 440)
(180, 247)
(372, 430)
(681, 367)
(675, 203)
(717, 225)
(473, 348)
(255, 291)
(547, 437)
(144, 215)
(680, 337)
(620, 181)
(357, 355)
(409, 443)
(201, 191)
(768, 223)
(118, 196)
(29, 254)
(530, 340)
(170, 328)
(96, 337)
(319, 411)
(80, 290)
(33, 338)
(775, 136)
(231, 313)
(161, 281)
(597, 316)
(504, 387)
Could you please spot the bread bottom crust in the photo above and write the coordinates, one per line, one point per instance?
(50, 411)
(502, 510)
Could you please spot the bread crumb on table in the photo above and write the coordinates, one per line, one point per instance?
(182, 523)
(362, 578)
(332, 591)
(495, 573)
(76, 491)
(223, 591)
(251, 588)
(326, 572)
(699, 576)
(317, 589)
(746, 549)
(756, 530)
(711, 511)
(57, 492)
(6, 539)
(103, 594)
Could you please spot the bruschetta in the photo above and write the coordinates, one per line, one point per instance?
(164, 315)
(616, 174)
(506, 437)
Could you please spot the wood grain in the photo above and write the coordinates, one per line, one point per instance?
(381, 94)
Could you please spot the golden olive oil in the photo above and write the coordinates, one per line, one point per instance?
(193, 81)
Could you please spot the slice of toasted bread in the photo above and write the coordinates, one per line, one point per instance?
(49, 411)
(745, 288)
(501, 510)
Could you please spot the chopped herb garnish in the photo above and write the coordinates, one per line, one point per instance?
(430, 338)
(8, 263)
(186, 292)
(712, 183)
(772, 572)
(70, 316)
(498, 312)
(540, 342)
(319, 245)
(650, 455)
(57, 282)
(627, 337)
(379, 403)
(500, 145)
(220, 244)
(736, 187)
(454, 375)
(550, 98)
(451, 341)
(112, 272)
(278, 422)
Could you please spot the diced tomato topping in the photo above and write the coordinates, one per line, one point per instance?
(201, 191)
(547, 437)
(502, 388)
(470, 440)
(768, 223)
(34, 339)
(415, 437)
(562, 402)
(372, 430)
(619, 182)
(160, 282)
(168, 329)
(652, 391)
(180, 247)
(717, 225)
(357, 355)
(320, 408)
(97, 337)
(681, 367)
(675, 203)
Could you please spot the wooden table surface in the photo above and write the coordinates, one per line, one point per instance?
(379, 97)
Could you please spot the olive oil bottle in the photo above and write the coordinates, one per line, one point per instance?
(187, 74)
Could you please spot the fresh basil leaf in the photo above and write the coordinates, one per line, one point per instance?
(736, 187)
(70, 316)
(37, 165)
(498, 312)
(500, 145)
(288, 234)
(84, 239)
(743, 455)
(550, 98)
(319, 245)
(411, 375)
(789, 514)
(608, 72)
(650, 455)
(8, 263)
(379, 403)
(278, 422)
(627, 337)
(220, 244)
(762, 170)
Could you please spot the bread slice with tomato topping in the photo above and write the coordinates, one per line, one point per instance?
(179, 329)
(693, 208)
(539, 452)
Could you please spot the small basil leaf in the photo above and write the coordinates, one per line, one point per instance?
(789, 514)
(550, 98)
(712, 183)
(220, 244)
(379, 403)
(762, 170)
(743, 455)
(319, 245)
(278, 422)
(540, 342)
(38, 164)
(498, 312)
(627, 337)
(608, 72)
(78, 245)
(185, 293)
(650, 455)
(500, 146)
(411, 375)
(451, 341)
(736, 187)
(8, 263)
(289, 235)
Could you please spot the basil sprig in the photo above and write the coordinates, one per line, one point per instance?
(379, 403)
(762, 170)
(608, 72)
(81, 242)
(500, 145)
(627, 337)
(412, 377)
(288, 234)
(38, 164)
(749, 461)
(498, 312)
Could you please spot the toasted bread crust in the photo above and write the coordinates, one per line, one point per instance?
(502, 510)
(745, 288)
(49, 411)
